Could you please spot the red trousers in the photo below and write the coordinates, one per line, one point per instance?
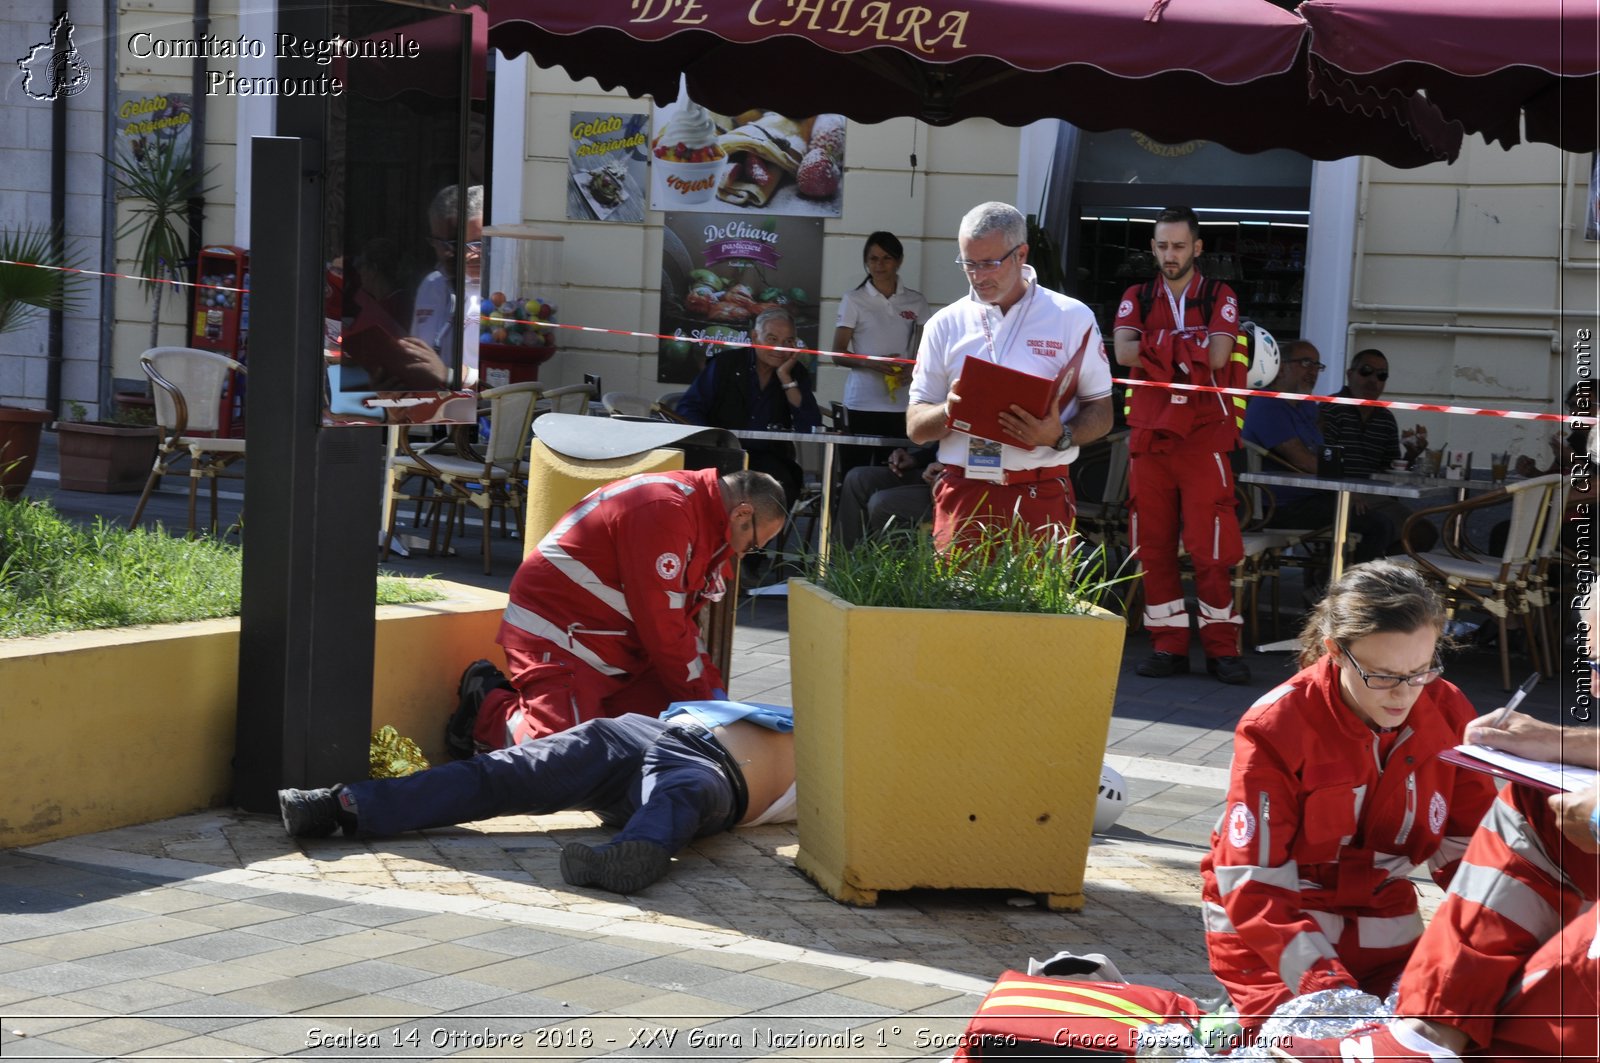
(1191, 490)
(1510, 956)
(963, 507)
(555, 691)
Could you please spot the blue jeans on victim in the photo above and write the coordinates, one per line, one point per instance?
(635, 771)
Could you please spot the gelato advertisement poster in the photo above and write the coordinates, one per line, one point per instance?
(719, 272)
(150, 127)
(758, 161)
(607, 157)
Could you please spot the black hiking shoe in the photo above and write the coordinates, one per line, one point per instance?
(479, 678)
(1230, 670)
(1160, 665)
(313, 813)
(624, 867)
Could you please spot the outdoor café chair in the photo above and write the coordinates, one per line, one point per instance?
(189, 387)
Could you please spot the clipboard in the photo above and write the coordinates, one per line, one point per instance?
(1541, 776)
(989, 389)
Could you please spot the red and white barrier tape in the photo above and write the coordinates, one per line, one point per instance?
(1294, 396)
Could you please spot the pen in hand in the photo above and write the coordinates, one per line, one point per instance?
(1512, 702)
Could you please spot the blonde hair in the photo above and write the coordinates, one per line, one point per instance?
(1371, 599)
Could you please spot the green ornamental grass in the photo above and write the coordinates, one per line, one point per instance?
(56, 575)
(1003, 570)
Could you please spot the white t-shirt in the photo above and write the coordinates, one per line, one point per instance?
(881, 325)
(430, 321)
(1042, 329)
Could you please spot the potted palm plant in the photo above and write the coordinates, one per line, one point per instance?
(951, 713)
(160, 185)
(32, 279)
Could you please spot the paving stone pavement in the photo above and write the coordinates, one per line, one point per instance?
(214, 936)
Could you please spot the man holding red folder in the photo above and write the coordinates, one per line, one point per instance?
(1009, 320)
(1180, 327)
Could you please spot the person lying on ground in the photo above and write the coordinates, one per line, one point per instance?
(700, 769)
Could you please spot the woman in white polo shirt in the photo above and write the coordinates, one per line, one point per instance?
(879, 316)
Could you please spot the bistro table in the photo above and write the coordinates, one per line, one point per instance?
(828, 440)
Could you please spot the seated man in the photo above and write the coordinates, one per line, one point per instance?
(1288, 428)
(602, 613)
(1508, 966)
(701, 769)
(1371, 440)
(760, 388)
(899, 494)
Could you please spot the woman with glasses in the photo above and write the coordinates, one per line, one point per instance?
(880, 316)
(1336, 795)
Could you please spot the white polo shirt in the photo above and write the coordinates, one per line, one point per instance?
(881, 325)
(1042, 330)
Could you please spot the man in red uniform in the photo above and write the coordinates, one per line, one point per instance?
(602, 614)
(1510, 963)
(1180, 327)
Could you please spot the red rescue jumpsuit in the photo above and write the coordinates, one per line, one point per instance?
(1180, 475)
(1510, 958)
(1305, 884)
(602, 614)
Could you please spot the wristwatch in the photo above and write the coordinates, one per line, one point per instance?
(1065, 442)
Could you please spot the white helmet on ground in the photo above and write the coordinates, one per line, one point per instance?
(1263, 356)
(1111, 800)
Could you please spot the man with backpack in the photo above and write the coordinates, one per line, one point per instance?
(1180, 327)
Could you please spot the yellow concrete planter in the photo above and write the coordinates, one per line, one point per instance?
(947, 749)
(105, 729)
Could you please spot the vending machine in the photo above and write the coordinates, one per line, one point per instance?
(222, 320)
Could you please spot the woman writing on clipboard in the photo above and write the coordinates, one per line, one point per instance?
(1335, 796)
(880, 316)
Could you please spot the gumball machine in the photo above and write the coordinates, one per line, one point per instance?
(222, 319)
(517, 310)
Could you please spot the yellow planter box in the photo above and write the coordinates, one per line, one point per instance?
(110, 728)
(948, 749)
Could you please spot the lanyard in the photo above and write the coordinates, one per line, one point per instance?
(1176, 305)
(1016, 326)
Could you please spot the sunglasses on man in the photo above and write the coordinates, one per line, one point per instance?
(1367, 370)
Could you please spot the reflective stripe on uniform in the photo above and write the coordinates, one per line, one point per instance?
(1218, 615)
(1215, 919)
(1301, 954)
(1507, 897)
(582, 575)
(1388, 931)
(1231, 876)
(551, 550)
(1507, 823)
(524, 619)
(1452, 847)
(1166, 614)
(1395, 865)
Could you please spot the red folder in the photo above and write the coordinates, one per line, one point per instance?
(988, 389)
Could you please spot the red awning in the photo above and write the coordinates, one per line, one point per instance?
(1232, 71)
(1488, 64)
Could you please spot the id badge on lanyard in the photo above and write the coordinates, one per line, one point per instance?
(1177, 306)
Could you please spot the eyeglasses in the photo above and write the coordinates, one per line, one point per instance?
(1367, 370)
(1312, 362)
(984, 265)
(473, 246)
(1374, 681)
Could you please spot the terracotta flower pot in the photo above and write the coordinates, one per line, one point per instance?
(105, 458)
(19, 448)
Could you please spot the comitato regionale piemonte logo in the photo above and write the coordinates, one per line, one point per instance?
(54, 69)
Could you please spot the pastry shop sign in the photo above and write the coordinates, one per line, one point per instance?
(919, 27)
(738, 240)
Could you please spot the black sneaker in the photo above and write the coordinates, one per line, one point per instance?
(625, 867)
(310, 813)
(1230, 670)
(1160, 665)
(479, 678)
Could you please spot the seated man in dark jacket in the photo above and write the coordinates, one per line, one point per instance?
(761, 388)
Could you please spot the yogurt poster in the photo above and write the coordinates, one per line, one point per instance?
(606, 153)
(718, 273)
(755, 161)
